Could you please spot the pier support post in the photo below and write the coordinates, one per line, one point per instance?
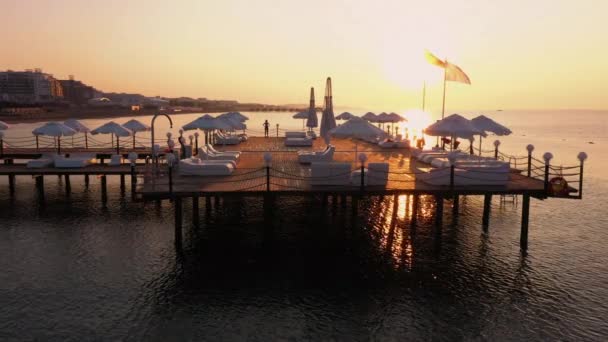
(354, 203)
(525, 219)
(40, 184)
(343, 201)
(104, 189)
(195, 212)
(86, 181)
(177, 202)
(11, 184)
(415, 205)
(455, 206)
(487, 202)
(122, 183)
(439, 211)
(68, 185)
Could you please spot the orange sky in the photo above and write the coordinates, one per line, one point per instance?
(518, 54)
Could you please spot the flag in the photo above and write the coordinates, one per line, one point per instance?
(434, 60)
(455, 74)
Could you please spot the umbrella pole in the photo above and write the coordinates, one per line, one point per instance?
(37, 144)
(133, 140)
(59, 145)
(86, 141)
(117, 145)
(480, 145)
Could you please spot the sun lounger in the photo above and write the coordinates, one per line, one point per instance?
(329, 173)
(376, 174)
(46, 160)
(467, 174)
(197, 160)
(307, 157)
(197, 167)
(115, 160)
(222, 139)
(75, 160)
(297, 139)
(205, 154)
(211, 149)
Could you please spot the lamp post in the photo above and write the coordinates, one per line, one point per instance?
(170, 161)
(547, 157)
(496, 144)
(362, 160)
(581, 157)
(267, 162)
(195, 152)
(133, 159)
(530, 149)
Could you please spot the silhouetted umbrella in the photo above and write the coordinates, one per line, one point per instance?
(114, 129)
(344, 116)
(135, 126)
(358, 128)
(80, 128)
(328, 122)
(54, 129)
(234, 115)
(453, 126)
(207, 123)
(312, 121)
(488, 125)
(4, 125)
(371, 117)
(303, 116)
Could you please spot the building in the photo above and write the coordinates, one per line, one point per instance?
(77, 92)
(29, 87)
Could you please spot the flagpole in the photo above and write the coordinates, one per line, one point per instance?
(423, 95)
(445, 77)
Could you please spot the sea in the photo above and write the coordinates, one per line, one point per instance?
(74, 269)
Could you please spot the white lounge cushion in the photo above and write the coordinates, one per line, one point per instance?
(46, 160)
(295, 134)
(212, 150)
(307, 141)
(75, 160)
(205, 154)
(329, 173)
(191, 167)
(307, 157)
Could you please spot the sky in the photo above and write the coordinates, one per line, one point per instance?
(541, 54)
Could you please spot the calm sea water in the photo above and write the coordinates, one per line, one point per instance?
(74, 270)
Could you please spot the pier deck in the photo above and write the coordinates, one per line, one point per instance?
(289, 176)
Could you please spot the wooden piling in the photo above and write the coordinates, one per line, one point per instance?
(455, 206)
(487, 202)
(177, 204)
(525, 217)
(343, 201)
(439, 211)
(195, 212)
(68, 185)
(122, 182)
(415, 205)
(11, 184)
(40, 185)
(104, 189)
(86, 180)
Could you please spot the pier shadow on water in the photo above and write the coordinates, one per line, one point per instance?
(307, 269)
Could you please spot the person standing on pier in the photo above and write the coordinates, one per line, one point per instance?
(266, 126)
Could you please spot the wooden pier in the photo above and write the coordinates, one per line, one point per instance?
(285, 176)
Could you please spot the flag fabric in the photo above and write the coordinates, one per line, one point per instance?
(455, 74)
(452, 71)
(434, 60)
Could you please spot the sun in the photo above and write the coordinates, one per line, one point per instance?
(417, 120)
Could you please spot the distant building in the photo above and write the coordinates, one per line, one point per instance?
(77, 92)
(29, 87)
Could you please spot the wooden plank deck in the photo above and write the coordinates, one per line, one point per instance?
(288, 176)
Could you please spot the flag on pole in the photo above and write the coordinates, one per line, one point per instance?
(452, 71)
(433, 59)
(455, 74)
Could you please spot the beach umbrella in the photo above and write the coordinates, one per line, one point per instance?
(344, 116)
(207, 123)
(135, 126)
(488, 125)
(453, 126)
(115, 130)
(358, 128)
(233, 122)
(371, 117)
(4, 125)
(328, 121)
(394, 117)
(303, 116)
(312, 121)
(235, 115)
(54, 129)
(80, 128)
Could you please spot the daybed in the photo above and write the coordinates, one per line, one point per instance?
(46, 160)
(198, 167)
(75, 160)
(329, 173)
(307, 157)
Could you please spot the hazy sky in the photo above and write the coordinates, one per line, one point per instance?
(518, 53)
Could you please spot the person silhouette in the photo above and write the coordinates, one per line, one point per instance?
(266, 126)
